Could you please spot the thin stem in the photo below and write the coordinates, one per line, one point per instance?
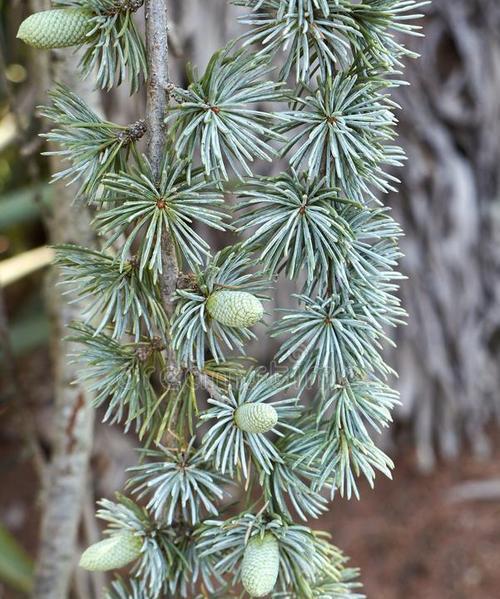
(157, 99)
(156, 12)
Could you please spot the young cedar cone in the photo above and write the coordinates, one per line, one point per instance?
(255, 417)
(115, 552)
(58, 28)
(260, 567)
(235, 308)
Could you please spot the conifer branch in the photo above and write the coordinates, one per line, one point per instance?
(321, 218)
(157, 104)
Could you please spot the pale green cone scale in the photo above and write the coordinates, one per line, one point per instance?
(260, 567)
(112, 553)
(235, 308)
(256, 417)
(58, 28)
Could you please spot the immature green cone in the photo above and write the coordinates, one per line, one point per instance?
(58, 28)
(235, 308)
(256, 417)
(115, 552)
(260, 566)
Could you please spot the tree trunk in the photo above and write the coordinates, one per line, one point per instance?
(447, 357)
(64, 488)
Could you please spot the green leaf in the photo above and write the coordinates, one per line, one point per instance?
(119, 375)
(341, 130)
(23, 205)
(16, 568)
(117, 297)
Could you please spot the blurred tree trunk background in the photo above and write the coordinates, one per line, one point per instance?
(449, 207)
(66, 476)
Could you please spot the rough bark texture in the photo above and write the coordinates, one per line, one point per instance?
(156, 15)
(157, 26)
(157, 102)
(447, 357)
(64, 488)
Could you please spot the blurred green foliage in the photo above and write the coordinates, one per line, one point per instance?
(24, 191)
(23, 206)
(16, 568)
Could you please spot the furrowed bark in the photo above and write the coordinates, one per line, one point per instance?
(65, 479)
(447, 356)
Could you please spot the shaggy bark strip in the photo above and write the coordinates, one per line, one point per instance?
(447, 357)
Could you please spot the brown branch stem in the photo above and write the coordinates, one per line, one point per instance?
(156, 15)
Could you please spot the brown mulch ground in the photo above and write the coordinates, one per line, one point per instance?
(411, 542)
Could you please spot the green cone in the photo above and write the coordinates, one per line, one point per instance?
(115, 552)
(256, 417)
(260, 567)
(58, 28)
(235, 308)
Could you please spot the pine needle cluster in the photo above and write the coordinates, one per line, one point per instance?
(307, 86)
